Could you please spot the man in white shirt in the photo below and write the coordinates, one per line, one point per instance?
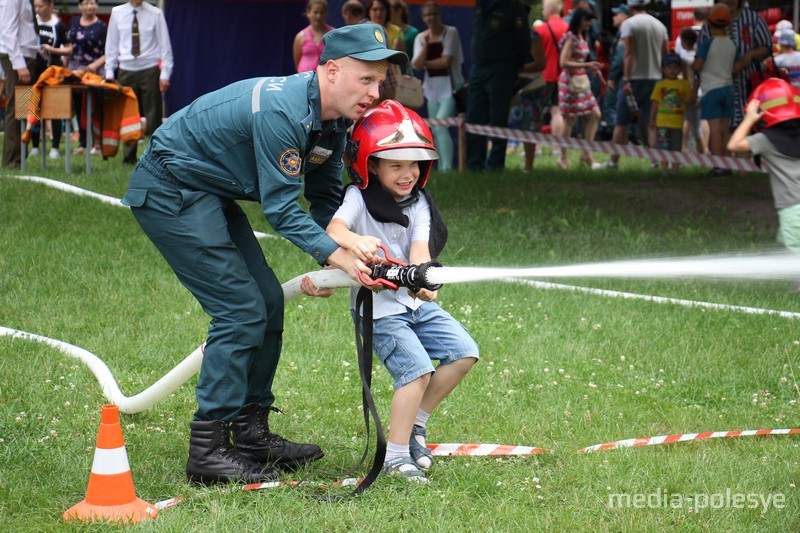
(137, 40)
(19, 45)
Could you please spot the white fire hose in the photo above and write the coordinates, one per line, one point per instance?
(184, 370)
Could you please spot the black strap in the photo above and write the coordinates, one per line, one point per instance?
(553, 35)
(363, 326)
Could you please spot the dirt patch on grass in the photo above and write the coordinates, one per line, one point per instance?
(744, 201)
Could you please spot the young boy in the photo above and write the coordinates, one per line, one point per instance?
(390, 158)
(668, 109)
(789, 58)
(775, 108)
(717, 60)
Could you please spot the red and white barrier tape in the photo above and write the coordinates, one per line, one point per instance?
(457, 449)
(441, 450)
(631, 150)
(493, 450)
(684, 437)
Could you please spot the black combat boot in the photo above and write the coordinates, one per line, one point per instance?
(252, 438)
(212, 457)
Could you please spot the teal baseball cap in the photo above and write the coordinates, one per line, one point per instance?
(366, 42)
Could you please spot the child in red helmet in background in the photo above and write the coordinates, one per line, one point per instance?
(774, 108)
(390, 158)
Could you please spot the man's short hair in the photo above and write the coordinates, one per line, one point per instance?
(354, 8)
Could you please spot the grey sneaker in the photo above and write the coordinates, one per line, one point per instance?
(405, 468)
(420, 453)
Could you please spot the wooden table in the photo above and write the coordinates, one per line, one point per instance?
(55, 104)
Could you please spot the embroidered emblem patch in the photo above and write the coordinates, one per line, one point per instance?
(290, 162)
(379, 36)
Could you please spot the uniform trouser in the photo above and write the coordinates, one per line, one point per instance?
(489, 102)
(208, 242)
(145, 84)
(11, 132)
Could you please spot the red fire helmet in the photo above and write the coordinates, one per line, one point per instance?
(779, 101)
(389, 131)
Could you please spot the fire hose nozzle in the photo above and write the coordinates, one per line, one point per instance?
(413, 277)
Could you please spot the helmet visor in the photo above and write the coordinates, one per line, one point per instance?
(407, 154)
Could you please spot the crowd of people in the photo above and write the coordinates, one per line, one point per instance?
(597, 83)
(134, 49)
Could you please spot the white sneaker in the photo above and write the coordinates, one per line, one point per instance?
(34, 151)
(555, 152)
(54, 153)
(608, 165)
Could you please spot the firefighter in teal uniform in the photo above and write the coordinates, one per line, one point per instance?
(266, 140)
(501, 45)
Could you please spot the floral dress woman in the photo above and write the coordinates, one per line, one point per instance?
(569, 103)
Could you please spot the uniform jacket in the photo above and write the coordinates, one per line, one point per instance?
(501, 33)
(262, 140)
(120, 108)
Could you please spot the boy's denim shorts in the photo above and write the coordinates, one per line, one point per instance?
(718, 103)
(406, 344)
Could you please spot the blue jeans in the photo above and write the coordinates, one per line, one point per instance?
(642, 89)
(406, 344)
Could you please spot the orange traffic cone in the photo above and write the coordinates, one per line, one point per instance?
(110, 495)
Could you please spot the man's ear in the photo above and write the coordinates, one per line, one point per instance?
(332, 70)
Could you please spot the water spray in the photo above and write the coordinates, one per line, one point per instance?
(771, 266)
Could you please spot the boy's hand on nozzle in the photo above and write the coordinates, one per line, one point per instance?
(365, 247)
(424, 294)
(308, 288)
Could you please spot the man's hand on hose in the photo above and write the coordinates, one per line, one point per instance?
(353, 266)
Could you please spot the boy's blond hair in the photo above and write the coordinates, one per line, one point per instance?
(552, 7)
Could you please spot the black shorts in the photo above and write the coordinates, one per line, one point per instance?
(550, 94)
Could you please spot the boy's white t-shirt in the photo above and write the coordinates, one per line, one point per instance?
(791, 62)
(719, 55)
(397, 239)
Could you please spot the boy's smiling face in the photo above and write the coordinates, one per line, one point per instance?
(397, 177)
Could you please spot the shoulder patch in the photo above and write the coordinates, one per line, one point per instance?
(290, 162)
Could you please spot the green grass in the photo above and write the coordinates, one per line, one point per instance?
(559, 370)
